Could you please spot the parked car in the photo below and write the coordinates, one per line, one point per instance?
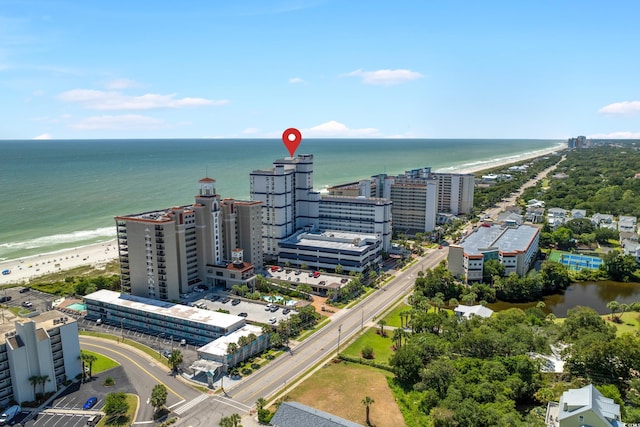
(286, 311)
(268, 307)
(9, 414)
(225, 300)
(23, 290)
(344, 280)
(235, 302)
(90, 403)
(322, 282)
(272, 320)
(297, 272)
(27, 304)
(316, 274)
(311, 274)
(5, 299)
(183, 342)
(5, 272)
(243, 314)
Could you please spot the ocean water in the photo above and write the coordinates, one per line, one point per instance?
(60, 194)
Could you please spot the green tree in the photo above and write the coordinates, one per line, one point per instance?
(339, 269)
(116, 405)
(491, 268)
(232, 420)
(617, 266)
(367, 402)
(42, 380)
(614, 306)
(382, 323)
(175, 359)
(554, 276)
(158, 396)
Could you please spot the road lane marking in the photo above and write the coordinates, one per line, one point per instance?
(138, 365)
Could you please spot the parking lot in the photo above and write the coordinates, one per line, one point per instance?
(252, 311)
(27, 299)
(67, 409)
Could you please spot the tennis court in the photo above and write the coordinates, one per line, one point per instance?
(575, 262)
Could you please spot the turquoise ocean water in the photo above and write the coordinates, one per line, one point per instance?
(61, 194)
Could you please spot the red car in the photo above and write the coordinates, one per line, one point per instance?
(316, 274)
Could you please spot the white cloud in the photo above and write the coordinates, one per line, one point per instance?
(126, 121)
(616, 135)
(43, 136)
(296, 80)
(385, 77)
(116, 84)
(619, 108)
(112, 100)
(333, 129)
(250, 131)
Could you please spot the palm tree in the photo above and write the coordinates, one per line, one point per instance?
(34, 380)
(232, 348)
(398, 333)
(382, 324)
(613, 306)
(367, 402)
(175, 359)
(261, 403)
(42, 380)
(90, 359)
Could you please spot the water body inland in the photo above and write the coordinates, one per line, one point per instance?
(588, 294)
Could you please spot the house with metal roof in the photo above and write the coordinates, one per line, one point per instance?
(294, 414)
(584, 406)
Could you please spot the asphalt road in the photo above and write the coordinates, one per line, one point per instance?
(144, 373)
(283, 371)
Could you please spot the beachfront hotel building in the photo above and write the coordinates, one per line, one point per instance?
(206, 328)
(420, 199)
(302, 227)
(47, 346)
(168, 252)
(361, 214)
(288, 200)
(515, 247)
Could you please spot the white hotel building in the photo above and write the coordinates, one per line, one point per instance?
(297, 221)
(46, 345)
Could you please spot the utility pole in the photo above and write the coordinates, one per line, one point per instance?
(339, 332)
(362, 322)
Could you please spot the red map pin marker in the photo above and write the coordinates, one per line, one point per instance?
(291, 139)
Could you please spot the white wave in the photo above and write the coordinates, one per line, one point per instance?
(56, 239)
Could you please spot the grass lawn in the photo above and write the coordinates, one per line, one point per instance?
(381, 346)
(102, 364)
(393, 317)
(339, 388)
(151, 352)
(126, 420)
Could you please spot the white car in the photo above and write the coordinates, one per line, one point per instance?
(272, 320)
(268, 307)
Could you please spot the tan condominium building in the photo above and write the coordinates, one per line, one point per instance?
(168, 252)
(421, 199)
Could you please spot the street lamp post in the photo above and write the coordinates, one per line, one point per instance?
(362, 322)
(339, 332)
(122, 328)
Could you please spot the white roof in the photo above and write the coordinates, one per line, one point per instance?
(219, 346)
(168, 309)
(585, 399)
(473, 310)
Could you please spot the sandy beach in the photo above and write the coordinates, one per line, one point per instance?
(24, 269)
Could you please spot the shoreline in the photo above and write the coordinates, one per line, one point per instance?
(29, 267)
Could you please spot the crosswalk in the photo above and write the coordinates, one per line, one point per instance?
(190, 404)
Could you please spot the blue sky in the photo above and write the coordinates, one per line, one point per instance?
(333, 68)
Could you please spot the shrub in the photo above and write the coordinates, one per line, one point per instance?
(108, 382)
(367, 352)
(264, 416)
(255, 366)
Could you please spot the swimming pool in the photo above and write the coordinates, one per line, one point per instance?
(77, 306)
